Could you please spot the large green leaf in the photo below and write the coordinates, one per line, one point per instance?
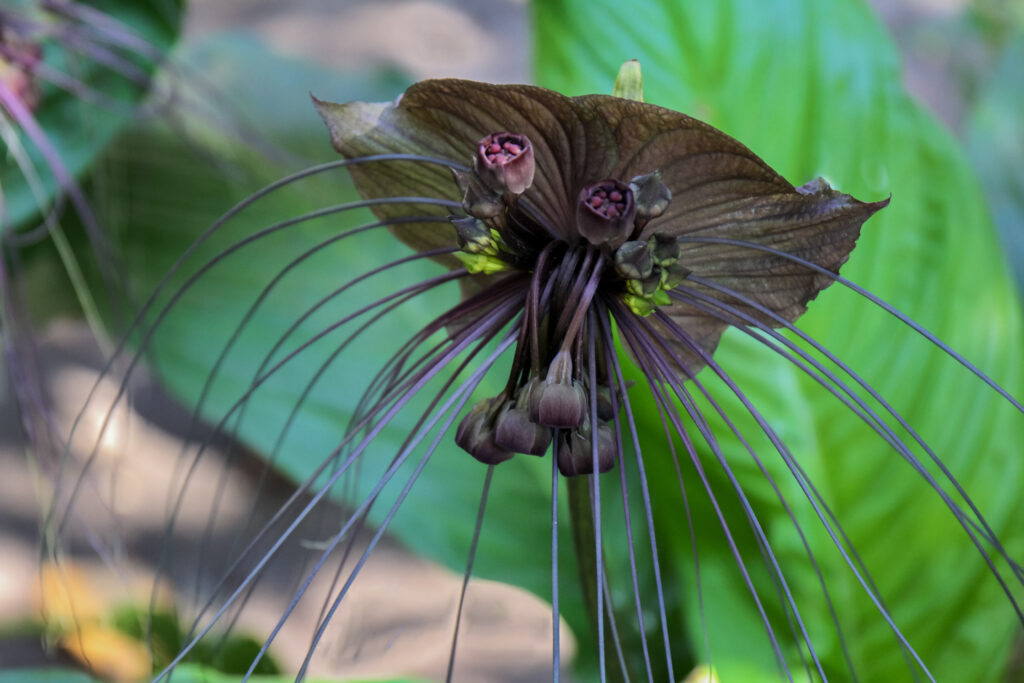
(814, 88)
(78, 125)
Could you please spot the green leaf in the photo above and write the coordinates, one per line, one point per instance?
(78, 127)
(814, 88)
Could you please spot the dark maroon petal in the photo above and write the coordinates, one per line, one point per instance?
(363, 129)
(821, 228)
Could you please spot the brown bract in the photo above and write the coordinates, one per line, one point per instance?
(719, 188)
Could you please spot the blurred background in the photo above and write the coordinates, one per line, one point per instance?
(227, 111)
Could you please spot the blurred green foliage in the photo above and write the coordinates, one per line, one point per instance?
(80, 121)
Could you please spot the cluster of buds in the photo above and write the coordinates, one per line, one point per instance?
(525, 422)
(503, 168)
(547, 398)
(650, 269)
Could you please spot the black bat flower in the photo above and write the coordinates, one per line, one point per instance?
(602, 247)
(583, 211)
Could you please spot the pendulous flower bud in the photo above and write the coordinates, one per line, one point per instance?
(559, 401)
(576, 455)
(605, 213)
(475, 434)
(651, 195)
(633, 260)
(514, 431)
(504, 162)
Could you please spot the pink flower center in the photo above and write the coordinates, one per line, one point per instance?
(606, 200)
(502, 150)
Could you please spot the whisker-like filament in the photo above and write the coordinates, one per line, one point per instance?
(462, 395)
(670, 443)
(556, 648)
(595, 494)
(274, 450)
(613, 362)
(360, 421)
(789, 512)
(636, 342)
(979, 522)
(859, 574)
(618, 388)
(176, 296)
(858, 407)
(217, 225)
(891, 310)
(469, 571)
(411, 389)
(364, 421)
(862, 410)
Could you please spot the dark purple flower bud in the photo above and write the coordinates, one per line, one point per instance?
(651, 195)
(504, 162)
(475, 434)
(514, 431)
(478, 200)
(605, 213)
(665, 249)
(633, 260)
(576, 455)
(559, 401)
